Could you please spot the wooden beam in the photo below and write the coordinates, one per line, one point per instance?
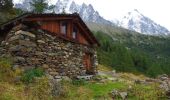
(47, 19)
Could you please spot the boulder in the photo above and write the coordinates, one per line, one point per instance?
(123, 95)
(116, 93)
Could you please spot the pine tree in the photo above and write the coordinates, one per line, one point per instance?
(39, 6)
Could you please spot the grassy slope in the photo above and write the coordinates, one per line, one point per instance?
(39, 88)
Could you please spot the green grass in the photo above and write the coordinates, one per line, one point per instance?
(103, 90)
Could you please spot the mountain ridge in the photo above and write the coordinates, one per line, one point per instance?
(134, 21)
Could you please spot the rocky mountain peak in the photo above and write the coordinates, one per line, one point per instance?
(136, 21)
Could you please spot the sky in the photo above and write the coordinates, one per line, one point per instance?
(157, 10)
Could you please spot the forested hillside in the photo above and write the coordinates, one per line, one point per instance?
(134, 52)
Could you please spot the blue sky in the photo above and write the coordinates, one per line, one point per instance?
(157, 10)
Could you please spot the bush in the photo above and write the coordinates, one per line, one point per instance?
(29, 75)
(78, 82)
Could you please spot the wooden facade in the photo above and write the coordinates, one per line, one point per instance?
(55, 28)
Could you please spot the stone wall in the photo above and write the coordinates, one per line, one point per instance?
(59, 57)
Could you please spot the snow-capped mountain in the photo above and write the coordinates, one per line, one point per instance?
(138, 22)
(133, 20)
(86, 12)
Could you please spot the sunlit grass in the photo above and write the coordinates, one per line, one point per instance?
(103, 89)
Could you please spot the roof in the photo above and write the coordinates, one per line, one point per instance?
(26, 16)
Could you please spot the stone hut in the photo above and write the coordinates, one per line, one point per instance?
(62, 44)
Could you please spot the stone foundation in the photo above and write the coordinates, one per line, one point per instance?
(57, 56)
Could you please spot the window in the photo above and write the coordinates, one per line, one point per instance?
(74, 34)
(64, 28)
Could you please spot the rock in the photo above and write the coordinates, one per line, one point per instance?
(66, 78)
(45, 66)
(114, 94)
(52, 54)
(19, 59)
(165, 85)
(163, 77)
(39, 53)
(40, 41)
(27, 34)
(3, 43)
(54, 73)
(114, 71)
(15, 48)
(113, 79)
(50, 77)
(86, 77)
(13, 38)
(57, 77)
(27, 43)
(15, 67)
(123, 95)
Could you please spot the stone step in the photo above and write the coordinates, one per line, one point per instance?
(86, 77)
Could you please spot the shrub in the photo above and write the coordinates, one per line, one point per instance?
(29, 75)
(78, 82)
